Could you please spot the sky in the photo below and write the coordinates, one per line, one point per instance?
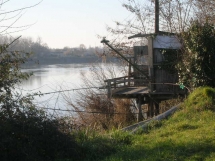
(63, 23)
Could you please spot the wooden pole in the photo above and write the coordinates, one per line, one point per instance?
(140, 115)
(129, 72)
(157, 108)
(156, 16)
(150, 108)
(116, 51)
(109, 88)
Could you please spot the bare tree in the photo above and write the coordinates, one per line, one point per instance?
(205, 11)
(175, 16)
(11, 17)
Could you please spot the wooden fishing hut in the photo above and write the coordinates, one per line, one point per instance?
(146, 81)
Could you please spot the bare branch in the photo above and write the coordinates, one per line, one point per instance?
(11, 24)
(20, 9)
(4, 2)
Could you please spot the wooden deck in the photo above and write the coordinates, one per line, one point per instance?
(128, 87)
(135, 92)
(130, 92)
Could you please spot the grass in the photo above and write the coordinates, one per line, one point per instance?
(187, 135)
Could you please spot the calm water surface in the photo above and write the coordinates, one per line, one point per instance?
(51, 78)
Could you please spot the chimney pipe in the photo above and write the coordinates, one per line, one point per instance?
(156, 16)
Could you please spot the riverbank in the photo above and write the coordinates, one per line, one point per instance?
(187, 135)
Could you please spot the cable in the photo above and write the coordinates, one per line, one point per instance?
(93, 112)
(75, 89)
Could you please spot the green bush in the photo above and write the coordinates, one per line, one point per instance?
(30, 135)
(26, 133)
(198, 56)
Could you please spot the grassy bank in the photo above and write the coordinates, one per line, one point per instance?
(187, 135)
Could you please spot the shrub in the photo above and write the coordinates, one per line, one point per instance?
(30, 135)
(197, 66)
(27, 133)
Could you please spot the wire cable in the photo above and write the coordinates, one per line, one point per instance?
(60, 91)
(92, 112)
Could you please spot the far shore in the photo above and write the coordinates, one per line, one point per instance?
(66, 60)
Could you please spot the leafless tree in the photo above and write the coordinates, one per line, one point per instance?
(175, 16)
(11, 17)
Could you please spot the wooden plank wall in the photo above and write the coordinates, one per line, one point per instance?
(162, 76)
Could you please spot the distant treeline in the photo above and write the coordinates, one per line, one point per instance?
(42, 54)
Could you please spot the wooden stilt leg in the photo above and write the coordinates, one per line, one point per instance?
(150, 109)
(157, 108)
(153, 108)
(140, 115)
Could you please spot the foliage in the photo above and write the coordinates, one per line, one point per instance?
(171, 59)
(197, 65)
(10, 75)
(30, 135)
(27, 133)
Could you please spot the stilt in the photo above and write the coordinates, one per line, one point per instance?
(140, 115)
(157, 108)
(150, 109)
(129, 72)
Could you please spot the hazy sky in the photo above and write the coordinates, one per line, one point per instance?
(63, 23)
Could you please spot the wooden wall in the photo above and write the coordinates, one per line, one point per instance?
(153, 53)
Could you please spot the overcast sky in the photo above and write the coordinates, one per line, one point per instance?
(63, 23)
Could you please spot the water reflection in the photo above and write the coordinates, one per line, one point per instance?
(51, 78)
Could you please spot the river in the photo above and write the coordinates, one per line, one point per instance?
(49, 79)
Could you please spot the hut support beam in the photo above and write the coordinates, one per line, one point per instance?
(157, 111)
(153, 108)
(150, 109)
(139, 104)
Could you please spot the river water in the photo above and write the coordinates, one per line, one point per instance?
(49, 79)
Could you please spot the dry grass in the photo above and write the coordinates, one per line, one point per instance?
(101, 112)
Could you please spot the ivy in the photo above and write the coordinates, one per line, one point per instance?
(171, 58)
(197, 67)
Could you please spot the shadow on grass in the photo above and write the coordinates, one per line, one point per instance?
(101, 147)
(35, 138)
(167, 151)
